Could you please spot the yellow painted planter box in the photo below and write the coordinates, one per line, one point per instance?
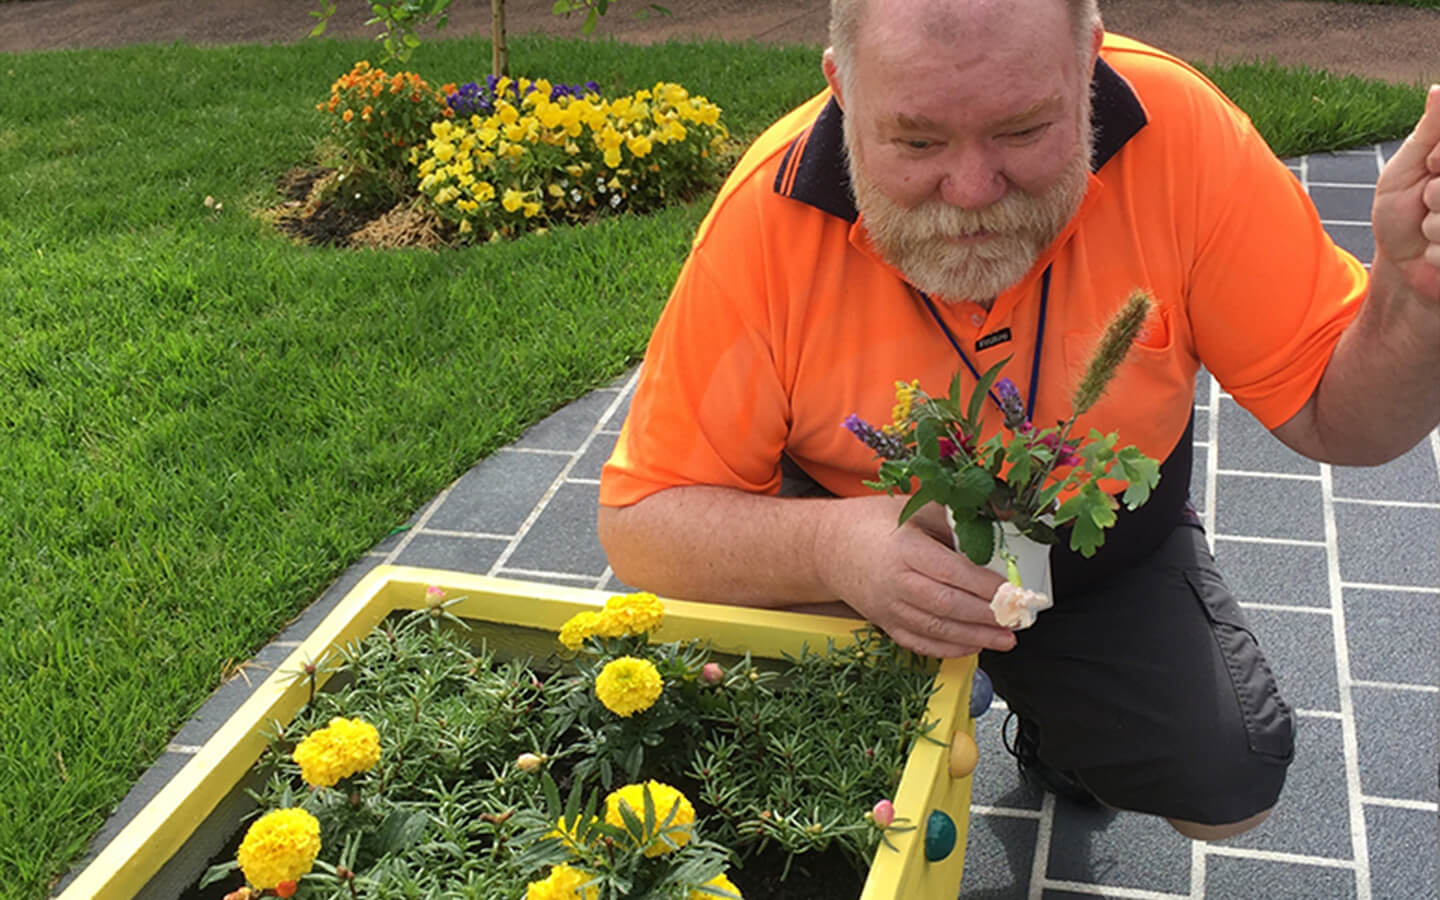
(125, 867)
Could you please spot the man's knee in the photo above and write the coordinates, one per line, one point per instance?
(1198, 832)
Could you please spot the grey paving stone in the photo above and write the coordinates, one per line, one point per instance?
(575, 581)
(1388, 148)
(302, 625)
(1358, 239)
(1228, 876)
(1396, 734)
(1269, 507)
(1391, 636)
(568, 428)
(228, 697)
(593, 459)
(1403, 861)
(1410, 478)
(1389, 544)
(145, 788)
(997, 782)
(1202, 424)
(1300, 648)
(1278, 574)
(461, 554)
(1313, 815)
(1343, 203)
(1348, 168)
(1118, 850)
(1247, 446)
(497, 495)
(1199, 468)
(563, 538)
(617, 416)
(999, 854)
(1202, 388)
(617, 586)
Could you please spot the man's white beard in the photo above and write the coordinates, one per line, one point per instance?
(1020, 225)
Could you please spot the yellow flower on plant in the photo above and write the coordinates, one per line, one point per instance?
(669, 804)
(512, 200)
(466, 205)
(343, 748)
(465, 226)
(563, 883)
(628, 685)
(280, 846)
(483, 191)
(442, 150)
(530, 210)
(577, 628)
(630, 614)
(568, 833)
(720, 883)
(508, 114)
(904, 401)
(639, 146)
(612, 157)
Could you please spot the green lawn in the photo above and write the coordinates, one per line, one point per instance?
(202, 424)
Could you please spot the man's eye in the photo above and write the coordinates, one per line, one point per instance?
(918, 144)
(1032, 131)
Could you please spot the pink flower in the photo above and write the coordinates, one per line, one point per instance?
(883, 813)
(948, 448)
(1015, 607)
(712, 673)
(434, 596)
(1065, 456)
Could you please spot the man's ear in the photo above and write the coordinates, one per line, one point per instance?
(832, 75)
(1097, 37)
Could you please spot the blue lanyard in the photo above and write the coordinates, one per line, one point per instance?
(1039, 339)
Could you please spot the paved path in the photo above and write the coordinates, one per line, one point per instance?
(1338, 570)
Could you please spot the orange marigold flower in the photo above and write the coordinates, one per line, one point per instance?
(348, 115)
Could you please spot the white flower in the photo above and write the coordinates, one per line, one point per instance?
(615, 199)
(575, 195)
(1016, 607)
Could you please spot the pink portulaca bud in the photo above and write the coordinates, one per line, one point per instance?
(883, 813)
(712, 673)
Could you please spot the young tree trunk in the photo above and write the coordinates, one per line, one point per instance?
(500, 58)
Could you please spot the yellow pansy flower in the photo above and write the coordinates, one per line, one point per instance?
(508, 114)
(483, 191)
(530, 209)
(639, 146)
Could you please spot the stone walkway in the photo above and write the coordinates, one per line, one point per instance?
(1339, 571)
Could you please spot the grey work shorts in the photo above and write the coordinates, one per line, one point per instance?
(1151, 688)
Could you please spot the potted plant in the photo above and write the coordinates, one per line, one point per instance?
(1006, 494)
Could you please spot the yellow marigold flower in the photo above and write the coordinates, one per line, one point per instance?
(631, 614)
(720, 883)
(343, 748)
(578, 628)
(628, 685)
(280, 846)
(666, 800)
(563, 883)
(512, 200)
(639, 146)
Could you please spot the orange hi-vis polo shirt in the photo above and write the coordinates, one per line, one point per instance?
(784, 321)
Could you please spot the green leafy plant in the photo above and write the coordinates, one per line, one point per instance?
(442, 766)
(936, 442)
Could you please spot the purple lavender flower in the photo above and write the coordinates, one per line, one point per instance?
(886, 446)
(1010, 404)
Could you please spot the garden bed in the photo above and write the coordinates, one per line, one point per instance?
(130, 864)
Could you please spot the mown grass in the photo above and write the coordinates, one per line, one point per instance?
(202, 424)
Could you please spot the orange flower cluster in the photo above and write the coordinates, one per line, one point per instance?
(377, 116)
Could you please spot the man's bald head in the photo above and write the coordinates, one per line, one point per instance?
(945, 21)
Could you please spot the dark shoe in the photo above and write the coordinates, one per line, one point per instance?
(1032, 770)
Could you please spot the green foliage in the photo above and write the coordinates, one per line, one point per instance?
(397, 20)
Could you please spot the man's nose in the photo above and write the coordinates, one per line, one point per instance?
(972, 180)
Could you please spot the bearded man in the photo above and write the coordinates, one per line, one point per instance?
(987, 179)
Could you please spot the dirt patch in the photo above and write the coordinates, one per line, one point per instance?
(319, 209)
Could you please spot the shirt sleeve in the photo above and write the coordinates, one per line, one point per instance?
(709, 407)
(1270, 292)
